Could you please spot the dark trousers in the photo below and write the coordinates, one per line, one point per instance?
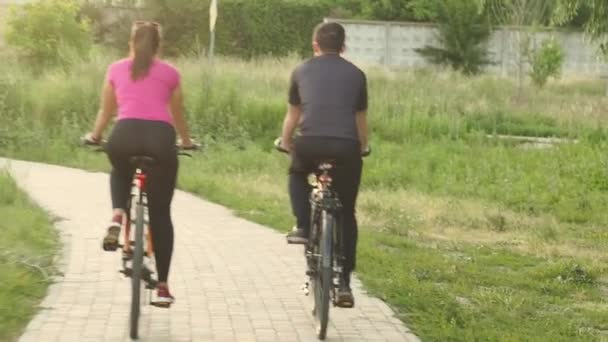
(308, 151)
(157, 140)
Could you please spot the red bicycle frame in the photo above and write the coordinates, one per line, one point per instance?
(139, 181)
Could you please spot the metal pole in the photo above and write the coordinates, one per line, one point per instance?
(211, 46)
(212, 33)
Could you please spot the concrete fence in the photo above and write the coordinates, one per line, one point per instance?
(394, 44)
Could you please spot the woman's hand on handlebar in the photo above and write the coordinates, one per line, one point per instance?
(90, 139)
(189, 145)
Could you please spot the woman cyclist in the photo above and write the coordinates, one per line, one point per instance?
(145, 93)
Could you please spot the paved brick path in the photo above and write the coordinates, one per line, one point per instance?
(234, 280)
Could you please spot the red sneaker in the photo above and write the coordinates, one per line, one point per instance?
(164, 298)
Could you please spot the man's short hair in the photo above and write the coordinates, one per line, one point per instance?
(330, 37)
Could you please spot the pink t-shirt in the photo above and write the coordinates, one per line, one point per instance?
(147, 98)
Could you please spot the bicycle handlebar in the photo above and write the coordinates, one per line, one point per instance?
(194, 147)
(101, 146)
(87, 142)
(279, 147)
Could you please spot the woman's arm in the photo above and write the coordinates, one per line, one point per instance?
(108, 108)
(177, 110)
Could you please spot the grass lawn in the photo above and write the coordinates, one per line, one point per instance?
(27, 248)
(467, 237)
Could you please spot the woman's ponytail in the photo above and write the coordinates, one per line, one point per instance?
(145, 42)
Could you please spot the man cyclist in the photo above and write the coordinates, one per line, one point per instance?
(328, 106)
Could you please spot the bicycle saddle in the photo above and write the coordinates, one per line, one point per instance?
(142, 162)
(326, 164)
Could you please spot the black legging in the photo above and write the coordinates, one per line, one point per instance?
(308, 151)
(155, 139)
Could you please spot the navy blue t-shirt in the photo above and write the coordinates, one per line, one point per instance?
(331, 90)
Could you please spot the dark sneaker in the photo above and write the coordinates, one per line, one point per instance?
(344, 295)
(164, 299)
(110, 241)
(297, 236)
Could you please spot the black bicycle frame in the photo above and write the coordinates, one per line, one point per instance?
(325, 199)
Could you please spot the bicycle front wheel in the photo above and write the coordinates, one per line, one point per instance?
(137, 264)
(323, 281)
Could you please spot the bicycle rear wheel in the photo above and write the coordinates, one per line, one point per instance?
(323, 279)
(137, 264)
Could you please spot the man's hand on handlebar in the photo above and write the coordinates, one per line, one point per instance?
(278, 145)
(366, 151)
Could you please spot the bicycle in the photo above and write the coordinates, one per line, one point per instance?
(323, 251)
(141, 240)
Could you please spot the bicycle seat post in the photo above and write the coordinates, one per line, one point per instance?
(324, 178)
(142, 164)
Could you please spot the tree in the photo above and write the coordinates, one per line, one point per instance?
(395, 10)
(387, 9)
(48, 31)
(547, 62)
(463, 30)
(526, 16)
(596, 24)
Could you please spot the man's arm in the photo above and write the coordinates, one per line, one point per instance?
(294, 112)
(292, 119)
(361, 116)
(362, 129)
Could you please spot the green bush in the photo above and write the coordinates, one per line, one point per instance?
(111, 27)
(48, 32)
(463, 31)
(394, 10)
(245, 28)
(547, 62)
(400, 10)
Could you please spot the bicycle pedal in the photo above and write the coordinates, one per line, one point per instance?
(146, 274)
(344, 305)
(151, 284)
(126, 256)
(306, 288)
(297, 242)
(161, 305)
(109, 246)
